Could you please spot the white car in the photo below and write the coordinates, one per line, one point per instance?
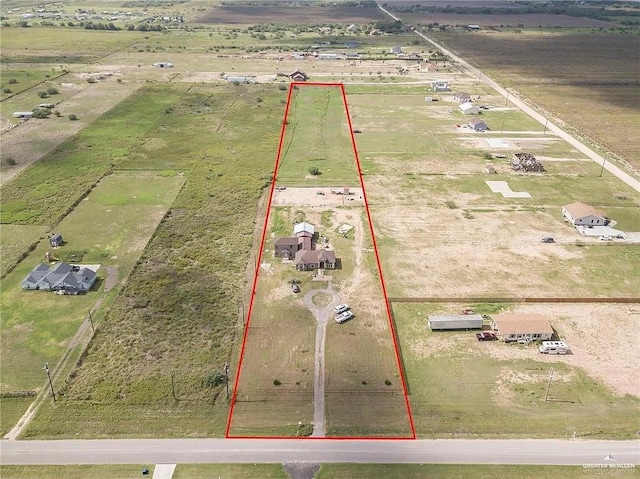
(605, 238)
(341, 308)
(344, 316)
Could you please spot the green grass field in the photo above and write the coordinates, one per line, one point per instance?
(317, 135)
(15, 240)
(185, 291)
(37, 326)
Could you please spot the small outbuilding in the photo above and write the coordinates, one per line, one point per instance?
(455, 322)
(163, 65)
(490, 170)
(522, 327)
(440, 86)
(56, 240)
(299, 76)
(23, 114)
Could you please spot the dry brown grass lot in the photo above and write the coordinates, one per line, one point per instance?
(360, 355)
(251, 15)
(587, 80)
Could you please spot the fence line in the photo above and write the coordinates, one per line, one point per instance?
(513, 300)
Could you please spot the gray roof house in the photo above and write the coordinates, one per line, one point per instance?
(477, 124)
(64, 277)
(56, 240)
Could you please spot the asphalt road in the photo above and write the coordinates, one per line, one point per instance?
(460, 451)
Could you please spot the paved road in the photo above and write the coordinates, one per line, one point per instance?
(611, 168)
(454, 451)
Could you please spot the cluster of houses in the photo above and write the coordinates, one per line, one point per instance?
(302, 249)
(508, 327)
(296, 76)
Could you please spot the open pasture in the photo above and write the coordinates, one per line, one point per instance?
(174, 324)
(460, 387)
(110, 227)
(585, 80)
(520, 20)
(253, 14)
(62, 46)
(317, 135)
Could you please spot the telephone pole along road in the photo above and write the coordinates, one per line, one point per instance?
(611, 454)
(613, 169)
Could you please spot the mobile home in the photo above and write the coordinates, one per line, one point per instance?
(456, 321)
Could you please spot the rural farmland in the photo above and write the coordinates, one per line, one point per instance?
(230, 224)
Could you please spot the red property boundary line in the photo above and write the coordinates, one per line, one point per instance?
(276, 167)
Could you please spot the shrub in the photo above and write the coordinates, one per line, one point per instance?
(282, 87)
(6, 90)
(91, 80)
(41, 113)
(73, 117)
(42, 94)
(313, 170)
(276, 382)
(12, 81)
(8, 161)
(387, 382)
(57, 113)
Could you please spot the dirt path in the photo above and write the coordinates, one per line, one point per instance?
(322, 317)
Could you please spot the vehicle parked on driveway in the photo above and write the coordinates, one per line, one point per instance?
(295, 288)
(344, 316)
(605, 238)
(548, 239)
(486, 336)
(553, 347)
(341, 308)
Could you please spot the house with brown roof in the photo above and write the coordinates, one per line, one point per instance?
(462, 97)
(301, 248)
(306, 260)
(582, 214)
(299, 76)
(522, 327)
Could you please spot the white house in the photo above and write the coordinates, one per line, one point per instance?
(468, 108)
(440, 86)
(581, 214)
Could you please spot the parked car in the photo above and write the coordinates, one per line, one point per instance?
(341, 308)
(486, 336)
(548, 239)
(605, 238)
(295, 288)
(344, 316)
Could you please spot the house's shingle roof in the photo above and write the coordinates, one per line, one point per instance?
(580, 210)
(508, 324)
(286, 241)
(314, 256)
(61, 276)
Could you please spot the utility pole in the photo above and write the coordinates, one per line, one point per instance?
(602, 169)
(46, 368)
(91, 321)
(506, 103)
(546, 397)
(545, 126)
(173, 387)
(226, 377)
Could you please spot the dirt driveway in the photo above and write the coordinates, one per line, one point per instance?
(317, 196)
